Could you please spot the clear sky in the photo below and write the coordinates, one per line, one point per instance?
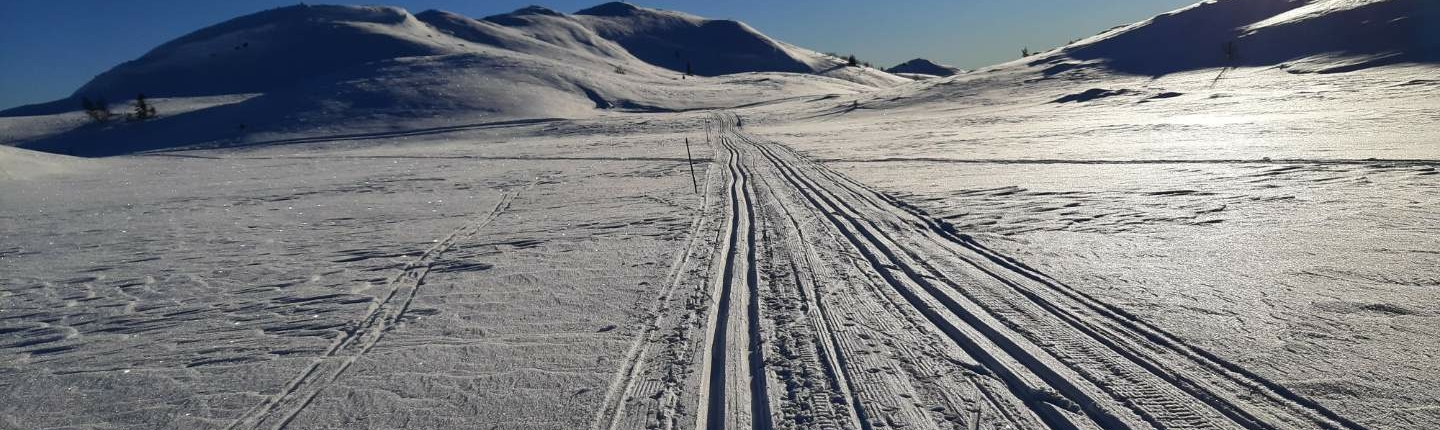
(48, 48)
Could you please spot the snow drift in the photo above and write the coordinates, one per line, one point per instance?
(16, 164)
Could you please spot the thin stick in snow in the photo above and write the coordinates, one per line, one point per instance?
(693, 181)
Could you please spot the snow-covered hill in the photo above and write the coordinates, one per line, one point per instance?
(1226, 50)
(680, 41)
(375, 69)
(921, 66)
(1302, 36)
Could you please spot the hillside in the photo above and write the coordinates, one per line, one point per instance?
(707, 47)
(1301, 36)
(375, 69)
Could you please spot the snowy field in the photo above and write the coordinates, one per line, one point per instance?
(503, 275)
(1255, 215)
(535, 221)
(179, 291)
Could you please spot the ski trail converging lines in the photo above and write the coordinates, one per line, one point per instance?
(1075, 362)
(279, 410)
(807, 300)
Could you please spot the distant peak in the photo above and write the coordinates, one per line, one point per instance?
(613, 8)
(924, 66)
(920, 62)
(536, 10)
(523, 16)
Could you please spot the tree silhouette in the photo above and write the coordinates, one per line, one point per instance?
(143, 109)
(852, 62)
(98, 109)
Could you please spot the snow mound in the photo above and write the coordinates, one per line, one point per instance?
(922, 66)
(1304, 36)
(19, 164)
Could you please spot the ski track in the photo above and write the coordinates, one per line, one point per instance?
(736, 393)
(277, 411)
(626, 384)
(808, 300)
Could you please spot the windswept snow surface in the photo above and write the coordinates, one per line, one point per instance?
(470, 278)
(1055, 242)
(19, 164)
(1283, 222)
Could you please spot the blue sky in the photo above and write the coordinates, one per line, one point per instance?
(48, 48)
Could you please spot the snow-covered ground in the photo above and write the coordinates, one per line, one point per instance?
(498, 223)
(1286, 222)
(180, 291)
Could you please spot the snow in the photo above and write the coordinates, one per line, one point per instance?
(1317, 10)
(20, 164)
(924, 67)
(505, 230)
(421, 71)
(226, 276)
(1229, 33)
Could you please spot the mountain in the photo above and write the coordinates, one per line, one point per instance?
(379, 68)
(921, 66)
(1302, 36)
(708, 47)
(1267, 50)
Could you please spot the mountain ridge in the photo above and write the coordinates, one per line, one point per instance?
(234, 56)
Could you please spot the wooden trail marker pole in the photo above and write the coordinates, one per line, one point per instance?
(693, 182)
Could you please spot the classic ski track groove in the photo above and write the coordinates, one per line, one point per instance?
(1129, 330)
(1053, 346)
(997, 343)
(819, 318)
(612, 413)
(727, 406)
(277, 411)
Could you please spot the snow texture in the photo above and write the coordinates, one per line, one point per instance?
(487, 224)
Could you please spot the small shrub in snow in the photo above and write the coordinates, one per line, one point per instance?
(143, 110)
(98, 109)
